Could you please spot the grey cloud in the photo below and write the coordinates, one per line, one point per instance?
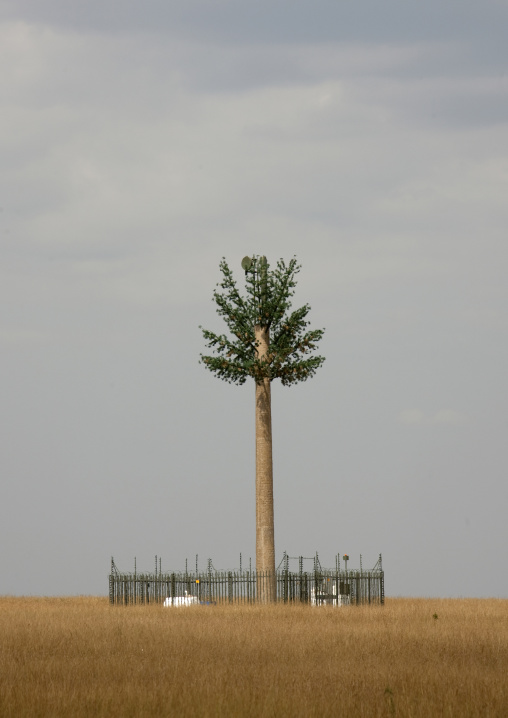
(140, 148)
(279, 21)
(449, 417)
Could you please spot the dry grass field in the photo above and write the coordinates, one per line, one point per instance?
(412, 657)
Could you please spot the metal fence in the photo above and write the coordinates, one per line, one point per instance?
(335, 587)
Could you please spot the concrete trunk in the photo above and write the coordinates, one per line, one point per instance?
(265, 540)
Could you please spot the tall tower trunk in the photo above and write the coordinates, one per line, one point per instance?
(265, 541)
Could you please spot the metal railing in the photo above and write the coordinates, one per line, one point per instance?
(320, 586)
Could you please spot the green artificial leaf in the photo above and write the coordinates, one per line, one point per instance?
(266, 303)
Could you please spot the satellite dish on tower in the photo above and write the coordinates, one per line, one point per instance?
(246, 264)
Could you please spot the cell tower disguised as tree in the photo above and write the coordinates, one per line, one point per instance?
(266, 341)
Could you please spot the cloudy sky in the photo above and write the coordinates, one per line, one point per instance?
(142, 142)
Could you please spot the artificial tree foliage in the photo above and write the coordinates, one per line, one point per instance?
(265, 341)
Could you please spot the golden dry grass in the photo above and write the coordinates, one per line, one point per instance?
(81, 657)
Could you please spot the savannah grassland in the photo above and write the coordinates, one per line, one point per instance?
(412, 657)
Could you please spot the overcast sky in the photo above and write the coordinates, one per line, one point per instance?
(142, 142)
